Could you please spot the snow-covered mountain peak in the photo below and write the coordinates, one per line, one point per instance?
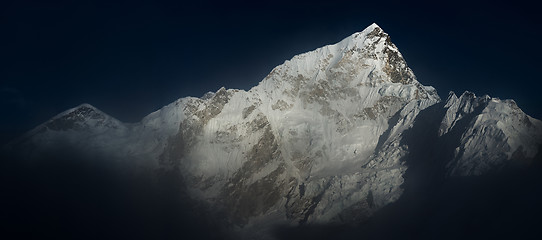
(361, 63)
(373, 26)
(325, 137)
(85, 109)
(80, 120)
(82, 125)
(82, 116)
(373, 33)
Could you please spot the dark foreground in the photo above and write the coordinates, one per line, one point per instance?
(69, 197)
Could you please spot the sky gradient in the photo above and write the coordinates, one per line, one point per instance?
(129, 58)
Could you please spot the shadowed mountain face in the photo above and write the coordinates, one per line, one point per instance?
(67, 195)
(337, 137)
(500, 206)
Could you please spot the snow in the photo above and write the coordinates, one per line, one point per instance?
(497, 131)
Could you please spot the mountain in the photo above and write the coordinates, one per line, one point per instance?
(328, 137)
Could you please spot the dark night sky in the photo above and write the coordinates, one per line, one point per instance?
(129, 58)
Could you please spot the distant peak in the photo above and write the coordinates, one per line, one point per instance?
(81, 111)
(80, 117)
(468, 94)
(84, 109)
(85, 105)
(451, 95)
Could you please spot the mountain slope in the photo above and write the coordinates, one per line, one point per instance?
(496, 131)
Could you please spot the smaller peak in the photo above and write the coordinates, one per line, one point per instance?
(84, 109)
(487, 97)
(85, 105)
(451, 95)
(468, 94)
(74, 118)
(452, 98)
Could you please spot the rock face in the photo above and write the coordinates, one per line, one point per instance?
(320, 140)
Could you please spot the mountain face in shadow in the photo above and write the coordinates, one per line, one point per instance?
(498, 207)
(67, 195)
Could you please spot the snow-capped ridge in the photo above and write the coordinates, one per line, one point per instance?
(493, 133)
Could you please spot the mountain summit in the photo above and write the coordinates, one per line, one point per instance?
(326, 137)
